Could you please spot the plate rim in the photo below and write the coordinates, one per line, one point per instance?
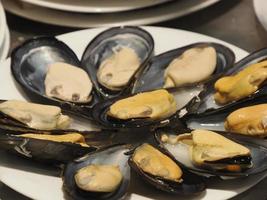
(92, 8)
(138, 17)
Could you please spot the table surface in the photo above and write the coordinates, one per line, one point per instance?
(232, 21)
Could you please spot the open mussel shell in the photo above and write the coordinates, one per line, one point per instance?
(100, 115)
(29, 65)
(190, 183)
(104, 45)
(158, 64)
(51, 152)
(181, 154)
(205, 104)
(113, 155)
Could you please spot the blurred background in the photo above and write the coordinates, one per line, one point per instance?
(236, 22)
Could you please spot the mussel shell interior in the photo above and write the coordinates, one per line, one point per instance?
(182, 156)
(156, 68)
(114, 155)
(103, 46)
(206, 102)
(213, 122)
(215, 119)
(29, 65)
(191, 183)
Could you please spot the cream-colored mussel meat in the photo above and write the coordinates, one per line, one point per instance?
(207, 147)
(36, 115)
(251, 120)
(68, 83)
(154, 105)
(193, 66)
(242, 84)
(116, 71)
(99, 178)
(69, 137)
(152, 161)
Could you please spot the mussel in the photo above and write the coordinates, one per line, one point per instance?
(148, 109)
(44, 67)
(223, 58)
(19, 115)
(249, 120)
(115, 57)
(219, 154)
(235, 87)
(243, 85)
(162, 172)
(107, 176)
(53, 147)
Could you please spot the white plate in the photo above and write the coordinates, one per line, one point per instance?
(43, 186)
(260, 7)
(2, 24)
(156, 14)
(4, 49)
(95, 6)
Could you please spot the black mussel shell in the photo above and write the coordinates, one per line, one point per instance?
(113, 155)
(156, 67)
(51, 152)
(29, 64)
(205, 104)
(100, 115)
(102, 46)
(43, 150)
(257, 148)
(190, 183)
